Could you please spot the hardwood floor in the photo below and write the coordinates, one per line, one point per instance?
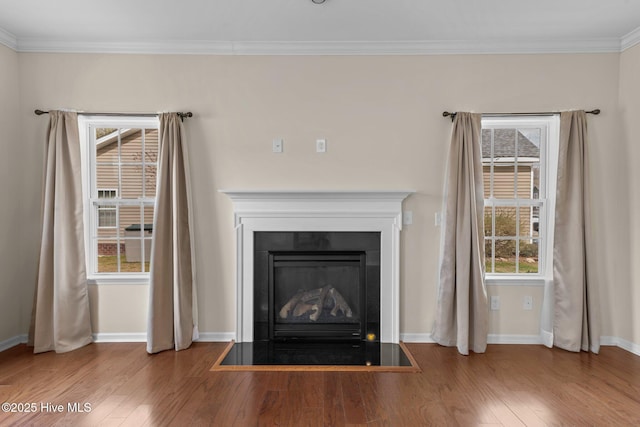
(510, 385)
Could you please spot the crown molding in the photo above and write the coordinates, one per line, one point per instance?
(630, 39)
(8, 39)
(441, 47)
(444, 47)
(157, 47)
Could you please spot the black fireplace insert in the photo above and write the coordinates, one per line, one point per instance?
(317, 286)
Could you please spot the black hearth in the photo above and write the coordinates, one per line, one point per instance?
(316, 286)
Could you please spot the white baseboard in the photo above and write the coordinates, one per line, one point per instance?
(120, 337)
(12, 342)
(417, 338)
(142, 337)
(491, 339)
(623, 344)
(514, 339)
(216, 336)
(527, 339)
(406, 337)
(609, 341)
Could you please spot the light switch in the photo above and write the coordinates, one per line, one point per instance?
(277, 145)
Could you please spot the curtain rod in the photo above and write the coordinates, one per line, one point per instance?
(546, 113)
(82, 113)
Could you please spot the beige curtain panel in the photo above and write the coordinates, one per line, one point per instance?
(60, 319)
(171, 321)
(462, 313)
(576, 322)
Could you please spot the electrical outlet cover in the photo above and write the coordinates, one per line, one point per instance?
(407, 217)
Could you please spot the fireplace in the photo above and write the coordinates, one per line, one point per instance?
(308, 212)
(316, 286)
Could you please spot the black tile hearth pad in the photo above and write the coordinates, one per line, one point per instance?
(364, 354)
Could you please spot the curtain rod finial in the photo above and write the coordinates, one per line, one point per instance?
(448, 114)
(183, 115)
(40, 112)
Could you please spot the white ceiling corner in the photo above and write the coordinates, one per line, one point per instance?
(8, 39)
(630, 39)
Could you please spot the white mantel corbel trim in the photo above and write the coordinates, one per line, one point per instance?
(378, 211)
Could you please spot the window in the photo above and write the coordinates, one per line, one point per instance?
(517, 158)
(120, 185)
(107, 213)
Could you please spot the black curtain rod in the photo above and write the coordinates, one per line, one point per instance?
(546, 113)
(82, 113)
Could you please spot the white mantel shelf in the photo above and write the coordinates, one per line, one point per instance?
(318, 194)
(319, 210)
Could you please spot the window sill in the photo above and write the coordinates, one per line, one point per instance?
(138, 279)
(513, 280)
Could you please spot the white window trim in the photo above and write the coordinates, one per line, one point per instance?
(85, 125)
(549, 167)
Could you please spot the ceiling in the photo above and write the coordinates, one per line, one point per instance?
(335, 27)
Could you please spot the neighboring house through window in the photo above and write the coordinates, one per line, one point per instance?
(120, 171)
(107, 214)
(519, 155)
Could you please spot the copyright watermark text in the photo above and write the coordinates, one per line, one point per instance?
(49, 407)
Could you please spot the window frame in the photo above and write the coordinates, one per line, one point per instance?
(550, 126)
(86, 125)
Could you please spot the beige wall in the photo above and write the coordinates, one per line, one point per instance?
(14, 277)
(627, 292)
(382, 120)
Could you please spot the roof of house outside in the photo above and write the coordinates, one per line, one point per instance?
(504, 144)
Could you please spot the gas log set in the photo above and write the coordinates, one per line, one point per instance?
(314, 304)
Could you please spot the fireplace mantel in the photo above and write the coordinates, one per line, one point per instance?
(268, 210)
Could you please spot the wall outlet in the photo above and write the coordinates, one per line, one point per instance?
(407, 218)
(495, 302)
(276, 145)
(321, 145)
(527, 303)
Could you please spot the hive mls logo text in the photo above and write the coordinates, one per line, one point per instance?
(79, 407)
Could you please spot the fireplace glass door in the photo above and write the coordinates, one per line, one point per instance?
(317, 295)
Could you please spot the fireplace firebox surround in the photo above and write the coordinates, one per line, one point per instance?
(316, 286)
(318, 211)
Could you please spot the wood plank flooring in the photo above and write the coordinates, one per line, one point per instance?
(510, 385)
